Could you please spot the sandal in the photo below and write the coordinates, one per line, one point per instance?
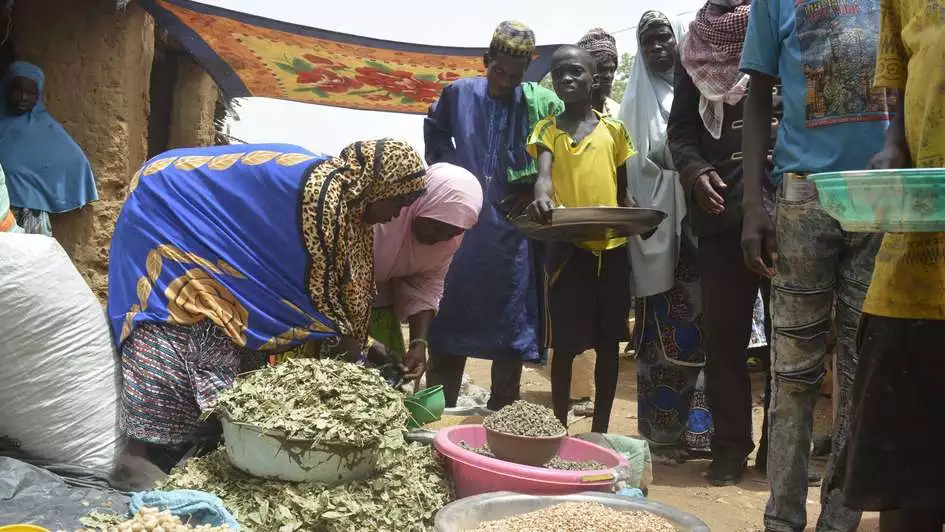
(584, 408)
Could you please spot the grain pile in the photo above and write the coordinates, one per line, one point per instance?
(580, 517)
(555, 463)
(522, 418)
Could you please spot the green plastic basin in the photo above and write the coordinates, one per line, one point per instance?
(425, 406)
(888, 201)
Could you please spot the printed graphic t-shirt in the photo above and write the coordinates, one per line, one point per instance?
(824, 52)
(909, 277)
(584, 174)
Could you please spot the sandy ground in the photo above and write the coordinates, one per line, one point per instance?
(730, 509)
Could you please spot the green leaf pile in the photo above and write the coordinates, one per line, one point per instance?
(403, 497)
(328, 402)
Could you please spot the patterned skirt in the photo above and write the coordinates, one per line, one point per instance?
(672, 407)
(171, 375)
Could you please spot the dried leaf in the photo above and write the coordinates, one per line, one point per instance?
(401, 497)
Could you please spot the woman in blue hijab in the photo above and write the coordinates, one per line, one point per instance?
(46, 170)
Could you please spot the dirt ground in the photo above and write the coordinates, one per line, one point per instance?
(729, 509)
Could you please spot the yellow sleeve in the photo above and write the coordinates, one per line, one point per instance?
(892, 61)
(622, 142)
(541, 136)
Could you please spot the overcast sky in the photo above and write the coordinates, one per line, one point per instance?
(470, 23)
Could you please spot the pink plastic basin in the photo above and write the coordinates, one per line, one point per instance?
(473, 473)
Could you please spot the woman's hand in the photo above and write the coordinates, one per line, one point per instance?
(377, 353)
(415, 361)
(349, 347)
(708, 190)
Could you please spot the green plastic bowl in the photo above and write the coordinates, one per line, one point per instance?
(425, 406)
(886, 201)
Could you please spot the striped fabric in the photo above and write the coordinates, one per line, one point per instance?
(171, 375)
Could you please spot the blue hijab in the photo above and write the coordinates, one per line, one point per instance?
(46, 170)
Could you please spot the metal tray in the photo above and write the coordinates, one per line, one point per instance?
(469, 513)
(591, 223)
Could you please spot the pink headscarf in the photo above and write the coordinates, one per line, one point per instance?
(409, 275)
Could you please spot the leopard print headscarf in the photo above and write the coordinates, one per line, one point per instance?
(340, 244)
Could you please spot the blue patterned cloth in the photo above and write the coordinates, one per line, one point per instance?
(490, 305)
(672, 407)
(215, 233)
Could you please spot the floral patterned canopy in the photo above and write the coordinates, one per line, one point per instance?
(253, 56)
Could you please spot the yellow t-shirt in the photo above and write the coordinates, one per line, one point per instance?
(909, 278)
(585, 174)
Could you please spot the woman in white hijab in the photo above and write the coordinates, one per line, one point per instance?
(673, 414)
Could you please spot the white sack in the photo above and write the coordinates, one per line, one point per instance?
(59, 372)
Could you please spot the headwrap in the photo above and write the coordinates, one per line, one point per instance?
(600, 44)
(410, 275)
(651, 19)
(45, 169)
(340, 244)
(711, 55)
(513, 38)
(653, 180)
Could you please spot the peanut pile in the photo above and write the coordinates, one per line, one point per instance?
(152, 520)
(580, 517)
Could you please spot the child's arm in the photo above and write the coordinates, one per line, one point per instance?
(759, 244)
(540, 209)
(895, 153)
(624, 197)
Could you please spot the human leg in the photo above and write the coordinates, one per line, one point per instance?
(573, 275)
(605, 382)
(729, 291)
(506, 382)
(613, 311)
(561, 365)
(855, 272)
(892, 459)
(761, 458)
(810, 244)
(446, 370)
(912, 520)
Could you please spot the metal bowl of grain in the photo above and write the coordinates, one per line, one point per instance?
(603, 512)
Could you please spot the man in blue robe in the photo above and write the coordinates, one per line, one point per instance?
(490, 307)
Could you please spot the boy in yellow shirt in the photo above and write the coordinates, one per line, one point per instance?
(895, 463)
(581, 156)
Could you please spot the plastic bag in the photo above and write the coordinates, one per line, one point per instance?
(59, 378)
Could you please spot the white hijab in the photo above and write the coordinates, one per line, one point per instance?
(653, 180)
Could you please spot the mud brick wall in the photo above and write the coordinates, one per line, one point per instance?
(97, 62)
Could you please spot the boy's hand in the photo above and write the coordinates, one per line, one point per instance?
(892, 156)
(627, 201)
(540, 210)
(708, 190)
(759, 242)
